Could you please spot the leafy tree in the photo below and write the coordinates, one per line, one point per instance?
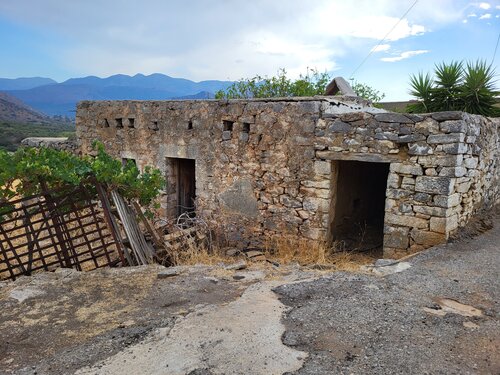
(311, 84)
(367, 92)
(456, 86)
(21, 172)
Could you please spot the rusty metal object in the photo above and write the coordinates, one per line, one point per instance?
(57, 228)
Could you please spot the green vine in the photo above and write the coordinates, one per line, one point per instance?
(22, 171)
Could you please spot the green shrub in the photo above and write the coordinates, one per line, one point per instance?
(310, 84)
(22, 171)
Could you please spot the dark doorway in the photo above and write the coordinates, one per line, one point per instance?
(186, 186)
(181, 187)
(359, 204)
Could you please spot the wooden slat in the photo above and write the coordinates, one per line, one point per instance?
(152, 231)
(143, 252)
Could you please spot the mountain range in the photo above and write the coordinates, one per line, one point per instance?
(52, 98)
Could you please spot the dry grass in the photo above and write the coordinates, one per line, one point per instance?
(288, 249)
(199, 254)
(350, 261)
(282, 250)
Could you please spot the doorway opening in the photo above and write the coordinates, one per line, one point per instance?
(358, 205)
(181, 187)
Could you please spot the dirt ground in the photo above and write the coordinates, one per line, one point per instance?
(55, 323)
(439, 315)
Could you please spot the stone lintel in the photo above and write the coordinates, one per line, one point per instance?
(359, 156)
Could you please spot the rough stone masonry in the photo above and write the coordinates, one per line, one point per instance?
(318, 168)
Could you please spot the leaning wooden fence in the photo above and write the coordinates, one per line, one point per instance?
(64, 228)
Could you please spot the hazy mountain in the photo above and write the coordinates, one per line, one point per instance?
(200, 95)
(13, 109)
(24, 83)
(61, 98)
(157, 81)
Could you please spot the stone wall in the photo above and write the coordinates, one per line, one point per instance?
(443, 169)
(269, 166)
(60, 143)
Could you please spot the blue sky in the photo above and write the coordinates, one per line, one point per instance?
(232, 39)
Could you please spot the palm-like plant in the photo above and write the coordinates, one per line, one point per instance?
(446, 92)
(478, 90)
(470, 89)
(421, 88)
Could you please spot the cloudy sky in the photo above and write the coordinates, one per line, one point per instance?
(232, 39)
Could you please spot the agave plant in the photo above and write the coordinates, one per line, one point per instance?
(455, 87)
(478, 89)
(421, 88)
(447, 89)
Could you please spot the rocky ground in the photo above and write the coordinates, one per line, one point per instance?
(437, 315)
(440, 316)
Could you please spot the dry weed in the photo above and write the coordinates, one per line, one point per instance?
(287, 249)
(283, 249)
(198, 254)
(350, 261)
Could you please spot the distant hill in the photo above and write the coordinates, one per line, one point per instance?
(157, 81)
(14, 110)
(200, 95)
(61, 98)
(24, 83)
(396, 106)
(19, 121)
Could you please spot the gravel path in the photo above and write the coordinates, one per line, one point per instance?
(399, 324)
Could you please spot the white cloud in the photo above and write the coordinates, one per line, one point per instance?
(464, 21)
(472, 15)
(381, 48)
(484, 6)
(435, 14)
(403, 55)
(199, 40)
(485, 16)
(370, 26)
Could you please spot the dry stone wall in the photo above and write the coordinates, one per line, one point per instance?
(268, 166)
(62, 143)
(443, 169)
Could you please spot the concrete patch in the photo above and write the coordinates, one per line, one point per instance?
(383, 269)
(242, 337)
(455, 307)
(446, 305)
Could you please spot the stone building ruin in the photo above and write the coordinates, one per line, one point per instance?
(323, 168)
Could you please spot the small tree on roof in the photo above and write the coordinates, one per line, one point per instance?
(310, 84)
